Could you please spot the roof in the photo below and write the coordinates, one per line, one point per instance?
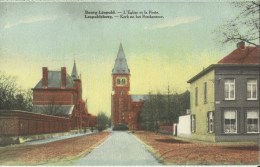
(246, 55)
(54, 80)
(120, 66)
(74, 73)
(213, 66)
(240, 57)
(56, 110)
(137, 98)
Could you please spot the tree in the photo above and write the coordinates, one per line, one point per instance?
(244, 27)
(102, 121)
(163, 109)
(12, 97)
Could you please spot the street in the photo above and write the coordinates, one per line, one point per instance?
(121, 148)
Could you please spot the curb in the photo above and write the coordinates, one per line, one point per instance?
(8, 140)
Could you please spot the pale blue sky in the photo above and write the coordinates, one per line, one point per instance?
(159, 51)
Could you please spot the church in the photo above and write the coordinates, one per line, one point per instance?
(125, 108)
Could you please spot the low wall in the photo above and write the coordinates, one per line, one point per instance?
(21, 123)
(166, 129)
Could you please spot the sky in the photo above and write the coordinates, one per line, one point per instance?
(159, 51)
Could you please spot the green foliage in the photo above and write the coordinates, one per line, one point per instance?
(102, 121)
(120, 127)
(163, 109)
(12, 97)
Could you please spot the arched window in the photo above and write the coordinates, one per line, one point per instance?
(123, 81)
(118, 81)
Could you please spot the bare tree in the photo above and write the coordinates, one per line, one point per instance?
(245, 26)
(53, 108)
(11, 96)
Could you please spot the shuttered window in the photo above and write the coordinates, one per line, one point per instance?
(252, 121)
(230, 121)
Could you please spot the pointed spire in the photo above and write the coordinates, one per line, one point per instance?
(74, 73)
(120, 66)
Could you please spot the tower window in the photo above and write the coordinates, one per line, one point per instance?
(118, 81)
(123, 81)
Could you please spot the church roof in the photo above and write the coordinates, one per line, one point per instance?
(56, 110)
(246, 55)
(137, 98)
(54, 80)
(120, 66)
(74, 73)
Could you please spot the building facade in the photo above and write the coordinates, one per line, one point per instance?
(60, 94)
(225, 98)
(125, 108)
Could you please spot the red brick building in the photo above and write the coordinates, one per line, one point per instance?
(60, 94)
(125, 108)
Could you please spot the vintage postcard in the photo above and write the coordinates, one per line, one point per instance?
(129, 83)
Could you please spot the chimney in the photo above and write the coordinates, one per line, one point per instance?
(44, 77)
(63, 77)
(241, 45)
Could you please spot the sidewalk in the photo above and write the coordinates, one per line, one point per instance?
(48, 140)
(58, 152)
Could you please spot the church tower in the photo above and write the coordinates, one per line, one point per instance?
(120, 89)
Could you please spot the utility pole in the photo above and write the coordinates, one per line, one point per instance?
(168, 103)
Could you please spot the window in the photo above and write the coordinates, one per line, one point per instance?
(252, 89)
(205, 92)
(210, 122)
(196, 96)
(230, 89)
(193, 123)
(230, 121)
(252, 121)
(123, 81)
(118, 81)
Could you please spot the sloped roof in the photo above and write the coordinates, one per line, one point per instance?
(137, 98)
(54, 80)
(226, 66)
(74, 73)
(56, 110)
(248, 55)
(120, 66)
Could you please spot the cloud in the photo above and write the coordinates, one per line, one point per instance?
(174, 22)
(30, 20)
